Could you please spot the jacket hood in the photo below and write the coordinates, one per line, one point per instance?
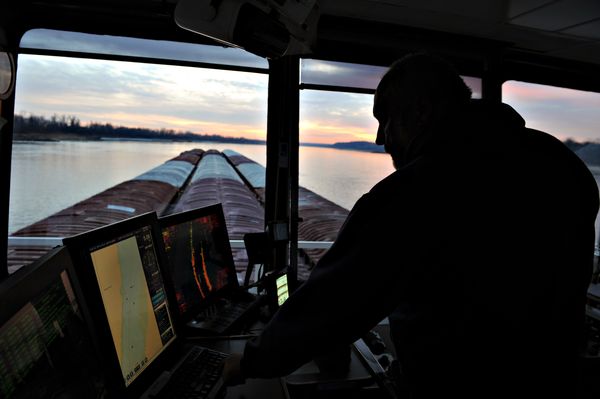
(494, 115)
(481, 126)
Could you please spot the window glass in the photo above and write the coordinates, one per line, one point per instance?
(338, 157)
(339, 161)
(337, 130)
(341, 74)
(47, 39)
(569, 115)
(474, 84)
(344, 74)
(85, 129)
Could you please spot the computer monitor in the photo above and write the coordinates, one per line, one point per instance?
(119, 268)
(46, 350)
(200, 259)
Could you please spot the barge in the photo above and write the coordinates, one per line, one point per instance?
(319, 218)
(194, 179)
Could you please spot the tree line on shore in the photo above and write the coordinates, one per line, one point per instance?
(69, 125)
(64, 126)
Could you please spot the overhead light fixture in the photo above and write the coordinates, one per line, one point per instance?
(7, 75)
(268, 28)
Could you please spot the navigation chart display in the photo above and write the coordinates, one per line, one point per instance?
(134, 299)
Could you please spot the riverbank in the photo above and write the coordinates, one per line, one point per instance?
(364, 146)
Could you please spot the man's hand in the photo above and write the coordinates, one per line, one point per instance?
(232, 371)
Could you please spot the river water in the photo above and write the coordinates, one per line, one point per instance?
(50, 176)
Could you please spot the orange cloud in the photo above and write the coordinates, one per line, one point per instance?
(523, 91)
(564, 113)
(326, 132)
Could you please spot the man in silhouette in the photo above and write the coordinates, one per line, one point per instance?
(478, 248)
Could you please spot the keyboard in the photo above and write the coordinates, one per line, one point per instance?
(220, 317)
(198, 376)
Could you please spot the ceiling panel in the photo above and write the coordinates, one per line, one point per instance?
(588, 53)
(518, 7)
(589, 30)
(448, 17)
(416, 14)
(560, 15)
(537, 41)
(477, 9)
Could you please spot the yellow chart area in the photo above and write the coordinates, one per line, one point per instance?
(128, 305)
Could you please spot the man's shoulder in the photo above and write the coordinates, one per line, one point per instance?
(543, 146)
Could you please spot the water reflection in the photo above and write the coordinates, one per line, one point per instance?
(50, 176)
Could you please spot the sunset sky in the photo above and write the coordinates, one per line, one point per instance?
(232, 103)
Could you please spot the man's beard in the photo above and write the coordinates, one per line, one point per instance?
(397, 155)
(398, 159)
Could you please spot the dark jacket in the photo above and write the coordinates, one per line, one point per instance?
(479, 250)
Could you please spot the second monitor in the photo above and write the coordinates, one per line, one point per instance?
(202, 270)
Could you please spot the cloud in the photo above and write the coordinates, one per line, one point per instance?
(235, 103)
(341, 74)
(564, 113)
(333, 116)
(357, 75)
(145, 95)
(180, 98)
(83, 42)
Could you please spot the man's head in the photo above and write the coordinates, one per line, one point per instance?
(416, 93)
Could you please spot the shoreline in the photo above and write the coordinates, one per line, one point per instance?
(360, 146)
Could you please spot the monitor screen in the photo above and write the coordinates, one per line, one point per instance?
(200, 259)
(45, 348)
(134, 298)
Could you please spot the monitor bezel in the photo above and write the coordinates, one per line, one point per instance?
(269, 282)
(188, 215)
(78, 247)
(34, 279)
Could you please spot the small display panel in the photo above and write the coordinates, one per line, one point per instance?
(134, 298)
(282, 289)
(200, 260)
(45, 348)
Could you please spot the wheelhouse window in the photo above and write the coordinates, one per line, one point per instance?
(98, 140)
(356, 76)
(336, 118)
(567, 114)
(338, 159)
